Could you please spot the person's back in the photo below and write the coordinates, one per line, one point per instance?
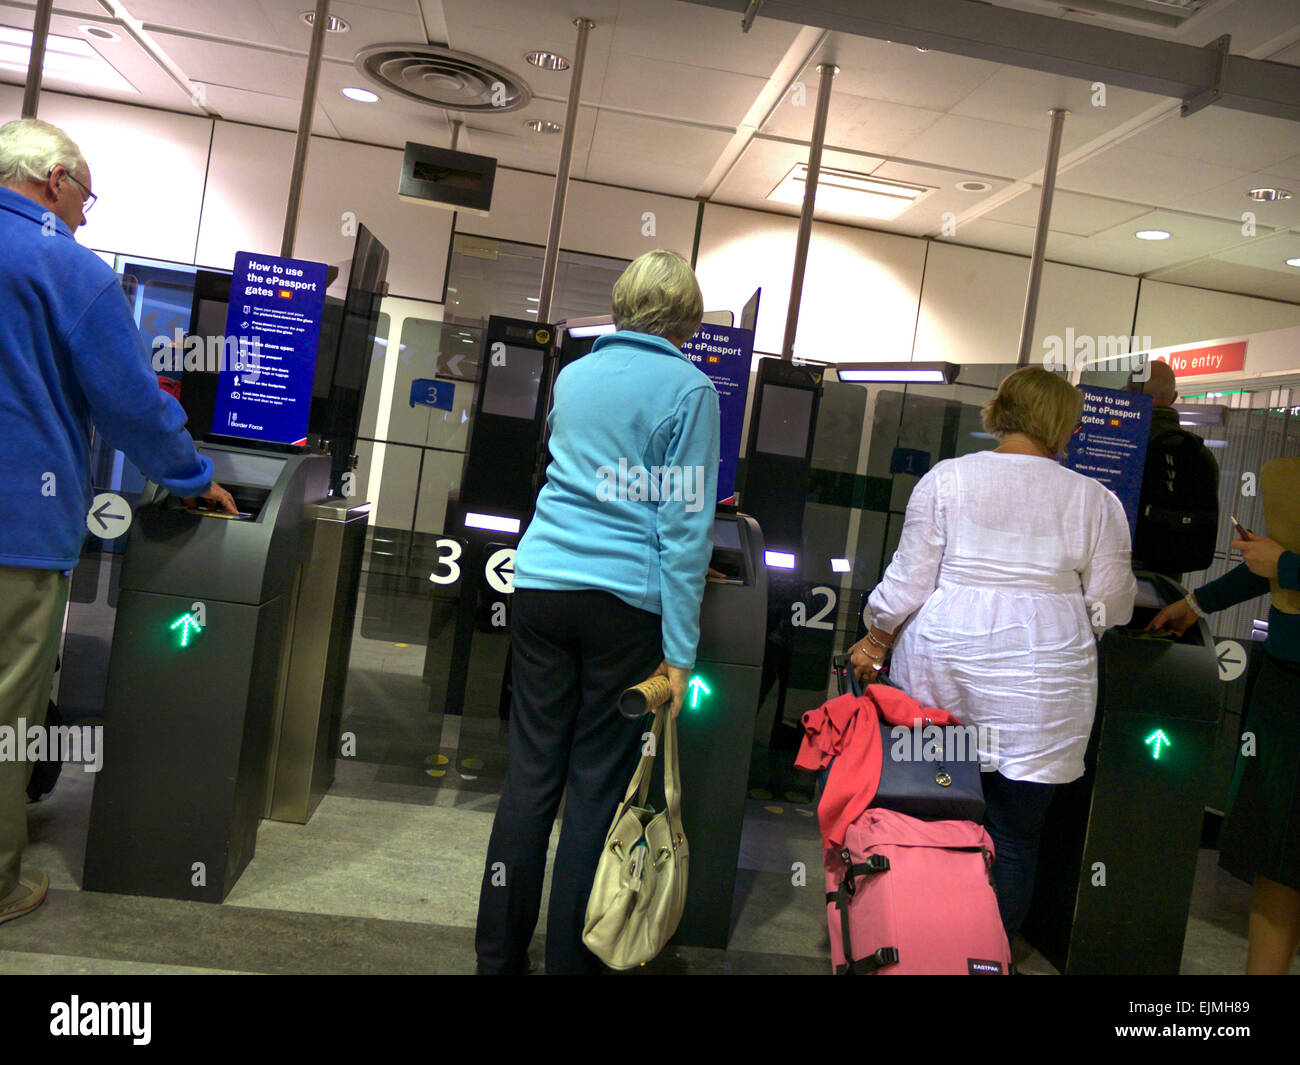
(1031, 559)
(620, 418)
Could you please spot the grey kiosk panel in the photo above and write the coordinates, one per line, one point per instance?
(187, 729)
(718, 735)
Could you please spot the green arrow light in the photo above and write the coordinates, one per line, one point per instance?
(1157, 738)
(698, 688)
(187, 624)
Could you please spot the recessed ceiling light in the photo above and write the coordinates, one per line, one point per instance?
(1268, 195)
(974, 186)
(547, 60)
(334, 25)
(1151, 234)
(1293, 262)
(539, 125)
(100, 33)
(362, 96)
(848, 192)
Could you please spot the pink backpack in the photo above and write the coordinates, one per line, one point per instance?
(906, 896)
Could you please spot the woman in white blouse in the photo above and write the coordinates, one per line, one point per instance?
(1008, 566)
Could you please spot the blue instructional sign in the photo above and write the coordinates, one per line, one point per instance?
(724, 353)
(1110, 444)
(429, 393)
(274, 319)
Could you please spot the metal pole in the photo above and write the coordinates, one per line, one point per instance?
(827, 72)
(552, 257)
(1040, 235)
(36, 60)
(304, 127)
(455, 132)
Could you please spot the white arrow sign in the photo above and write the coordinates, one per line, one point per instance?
(109, 517)
(500, 570)
(1232, 659)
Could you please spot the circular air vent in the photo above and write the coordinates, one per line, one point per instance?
(435, 75)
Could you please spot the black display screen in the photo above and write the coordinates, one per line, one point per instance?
(513, 384)
(783, 420)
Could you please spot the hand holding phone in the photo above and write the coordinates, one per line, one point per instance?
(1242, 532)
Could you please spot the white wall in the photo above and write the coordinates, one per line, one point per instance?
(973, 302)
(1176, 314)
(860, 287)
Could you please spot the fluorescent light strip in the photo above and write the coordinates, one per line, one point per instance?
(67, 59)
(592, 330)
(496, 522)
(840, 565)
(779, 559)
(915, 376)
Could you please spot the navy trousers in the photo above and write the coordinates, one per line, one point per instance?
(572, 654)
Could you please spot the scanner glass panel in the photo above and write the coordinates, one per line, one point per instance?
(511, 389)
(783, 420)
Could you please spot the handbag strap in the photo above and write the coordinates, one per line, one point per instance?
(672, 778)
(639, 787)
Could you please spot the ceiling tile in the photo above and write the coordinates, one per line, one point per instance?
(1225, 137)
(261, 109)
(979, 145)
(1145, 177)
(1230, 202)
(899, 73)
(694, 93)
(1071, 212)
(852, 122)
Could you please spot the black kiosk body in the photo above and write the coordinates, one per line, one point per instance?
(717, 732)
(1118, 853)
(195, 673)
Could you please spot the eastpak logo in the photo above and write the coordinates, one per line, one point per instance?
(980, 967)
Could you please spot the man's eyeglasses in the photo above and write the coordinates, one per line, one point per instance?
(88, 200)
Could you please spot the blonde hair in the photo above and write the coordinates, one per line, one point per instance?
(1037, 403)
(658, 294)
(30, 149)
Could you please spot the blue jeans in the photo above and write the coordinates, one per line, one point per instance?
(1014, 813)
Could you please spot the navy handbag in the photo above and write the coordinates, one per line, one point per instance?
(929, 772)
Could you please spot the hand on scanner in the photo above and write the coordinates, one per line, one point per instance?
(216, 497)
(1176, 618)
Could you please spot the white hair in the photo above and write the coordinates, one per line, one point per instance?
(30, 149)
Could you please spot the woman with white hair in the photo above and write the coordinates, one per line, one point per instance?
(608, 582)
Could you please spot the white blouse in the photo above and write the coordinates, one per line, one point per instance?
(1007, 567)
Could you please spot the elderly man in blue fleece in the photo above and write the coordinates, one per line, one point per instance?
(608, 582)
(70, 356)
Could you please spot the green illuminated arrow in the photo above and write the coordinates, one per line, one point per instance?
(1158, 737)
(186, 623)
(698, 688)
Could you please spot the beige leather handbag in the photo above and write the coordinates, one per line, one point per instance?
(639, 893)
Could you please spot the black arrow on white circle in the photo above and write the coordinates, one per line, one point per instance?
(99, 514)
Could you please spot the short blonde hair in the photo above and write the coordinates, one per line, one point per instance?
(658, 294)
(1035, 402)
(30, 149)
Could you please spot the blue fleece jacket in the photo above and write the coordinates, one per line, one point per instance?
(70, 355)
(630, 492)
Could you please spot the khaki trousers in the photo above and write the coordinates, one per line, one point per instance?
(31, 622)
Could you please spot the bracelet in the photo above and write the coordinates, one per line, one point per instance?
(870, 658)
(1196, 607)
(877, 643)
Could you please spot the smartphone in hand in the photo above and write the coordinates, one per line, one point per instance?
(1242, 532)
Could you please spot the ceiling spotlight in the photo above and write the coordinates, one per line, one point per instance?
(99, 33)
(547, 60)
(362, 96)
(540, 125)
(1268, 195)
(1151, 234)
(334, 25)
(1294, 262)
(974, 186)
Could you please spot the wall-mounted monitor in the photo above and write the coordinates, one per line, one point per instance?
(440, 177)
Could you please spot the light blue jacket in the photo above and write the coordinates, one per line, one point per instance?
(630, 492)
